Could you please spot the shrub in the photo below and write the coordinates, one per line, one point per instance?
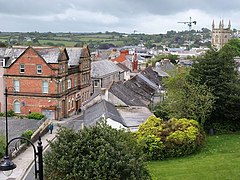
(2, 146)
(11, 113)
(27, 134)
(1, 114)
(173, 138)
(35, 115)
(98, 152)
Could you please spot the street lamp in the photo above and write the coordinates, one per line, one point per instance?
(7, 165)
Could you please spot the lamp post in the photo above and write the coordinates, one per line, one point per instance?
(8, 165)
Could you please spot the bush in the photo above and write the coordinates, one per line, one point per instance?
(37, 116)
(27, 134)
(173, 138)
(99, 152)
(2, 146)
(1, 114)
(11, 113)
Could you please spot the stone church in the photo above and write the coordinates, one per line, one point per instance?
(220, 35)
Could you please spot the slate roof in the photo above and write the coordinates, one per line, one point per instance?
(123, 67)
(103, 108)
(74, 55)
(134, 116)
(103, 67)
(125, 94)
(50, 55)
(151, 75)
(141, 87)
(11, 54)
(160, 72)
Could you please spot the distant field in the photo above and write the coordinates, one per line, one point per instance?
(66, 43)
(220, 159)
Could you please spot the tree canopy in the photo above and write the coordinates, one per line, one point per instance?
(185, 99)
(217, 70)
(98, 152)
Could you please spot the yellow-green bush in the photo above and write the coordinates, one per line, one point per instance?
(173, 138)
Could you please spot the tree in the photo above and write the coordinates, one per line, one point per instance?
(217, 70)
(99, 152)
(186, 99)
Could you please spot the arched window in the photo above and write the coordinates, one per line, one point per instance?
(17, 107)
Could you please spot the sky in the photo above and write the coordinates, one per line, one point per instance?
(125, 16)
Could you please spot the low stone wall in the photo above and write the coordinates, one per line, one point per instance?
(41, 131)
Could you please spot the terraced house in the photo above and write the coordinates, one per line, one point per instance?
(51, 80)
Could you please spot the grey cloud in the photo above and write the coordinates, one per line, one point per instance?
(103, 15)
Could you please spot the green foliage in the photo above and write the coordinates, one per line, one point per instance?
(98, 152)
(185, 99)
(11, 113)
(217, 70)
(35, 115)
(2, 146)
(173, 138)
(1, 114)
(27, 134)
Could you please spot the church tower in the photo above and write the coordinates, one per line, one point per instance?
(220, 35)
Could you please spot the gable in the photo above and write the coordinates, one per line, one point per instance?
(30, 59)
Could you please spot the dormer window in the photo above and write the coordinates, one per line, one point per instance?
(22, 68)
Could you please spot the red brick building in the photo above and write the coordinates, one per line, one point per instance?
(51, 80)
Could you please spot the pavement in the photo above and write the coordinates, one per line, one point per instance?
(26, 159)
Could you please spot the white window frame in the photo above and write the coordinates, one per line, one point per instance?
(75, 81)
(97, 83)
(16, 85)
(17, 106)
(69, 83)
(39, 69)
(45, 87)
(22, 68)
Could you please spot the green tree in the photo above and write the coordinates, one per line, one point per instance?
(217, 70)
(99, 152)
(186, 99)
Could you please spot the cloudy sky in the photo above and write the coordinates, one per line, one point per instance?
(144, 16)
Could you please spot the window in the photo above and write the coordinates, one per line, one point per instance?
(63, 86)
(69, 83)
(45, 87)
(69, 104)
(72, 102)
(2, 61)
(39, 69)
(96, 83)
(63, 68)
(75, 81)
(17, 107)
(16, 85)
(22, 68)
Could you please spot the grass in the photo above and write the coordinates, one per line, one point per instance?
(66, 43)
(220, 159)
